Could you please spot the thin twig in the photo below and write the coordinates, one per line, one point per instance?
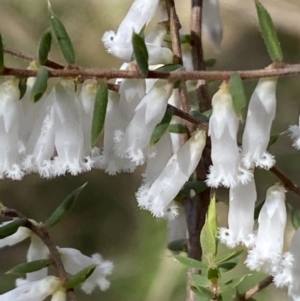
(257, 288)
(84, 73)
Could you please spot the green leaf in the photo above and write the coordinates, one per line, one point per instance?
(63, 39)
(22, 87)
(40, 84)
(177, 128)
(268, 33)
(80, 277)
(228, 265)
(29, 267)
(99, 114)
(213, 274)
(257, 209)
(44, 47)
(191, 263)
(273, 140)
(141, 54)
(210, 62)
(169, 68)
(295, 218)
(200, 116)
(231, 284)
(12, 227)
(229, 256)
(208, 236)
(179, 245)
(200, 280)
(197, 186)
(203, 292)
(238, 95)
(1, 54)
(64, 207)
(184, 39)
(161, 128)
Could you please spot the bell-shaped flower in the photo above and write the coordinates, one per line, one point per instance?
(267, 251)
(34, 291)
(74, 261)
(119, 44)
(134, 141)
(294, 131)
(260, 115)
(68, 139)
(223, 128)
(242, 200)
(177, 171)
(212, 22)
(9, 127)
(108, 160)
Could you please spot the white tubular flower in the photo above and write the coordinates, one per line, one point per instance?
(294, 131)
(69, 140)
(140, 14)
(40, 147)
(261, 113)
(223, 128)
(242, 200)
(86, 102)
(33, 291)
(133, 143)
(108, 160)
(294, 286)
(60, 295)
(212, 23)
(177, 171)
(266, 253)
(9, 127)
(74, 261)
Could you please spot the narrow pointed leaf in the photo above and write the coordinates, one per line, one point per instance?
(29, 267)
(44, 47)
(233, 283)
(161, 128)
(238, 94)
(169, 68)
(12, 227)
(99, 114)
(295, 218)
(177, 128)
(22, 87)
(268, 33)
(227, 257)
(64, 207)
(191, 263)
(63, 39)
(1, 54)
(273, 140)
(80, 277)
(179, 245)
(228, 265)
(200, 116)
(140, 54)
(40, 84)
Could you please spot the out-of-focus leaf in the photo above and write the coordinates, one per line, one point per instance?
(268, 33)
(64, 207)
(295, 218)
(228, 265)
(44, 47)
(196, 186)
(200, 116)
(40, 84)
(191, 263)
(184, 39)
(29, 267)
(80, 277)
(11, 227)
(1, 54)
(227, 257)
(231, 284)
(179, 245)
(161, 128)
(210, 62)
(99, 113)
(63, 39)
(257, 209)
(238, 94)
(213, 274)
(177, 128)
(169, 68)
(200, 280)
(203, 292)
(22, 86)
(274, 138)
(140, 54)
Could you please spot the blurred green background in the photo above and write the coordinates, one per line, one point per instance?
(106, 218)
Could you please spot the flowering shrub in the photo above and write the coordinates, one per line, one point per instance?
(52, 116)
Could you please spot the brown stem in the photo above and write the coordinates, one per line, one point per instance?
(257, 288)
(42, 233)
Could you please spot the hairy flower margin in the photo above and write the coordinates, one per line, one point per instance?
(73, 260)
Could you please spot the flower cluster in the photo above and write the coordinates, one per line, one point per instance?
(39, 285)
